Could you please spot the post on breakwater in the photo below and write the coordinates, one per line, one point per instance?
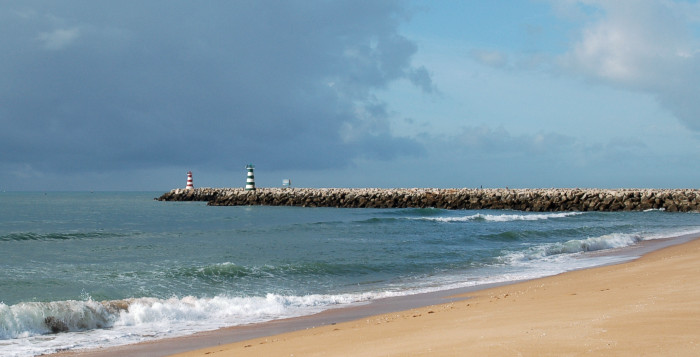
(250, 180)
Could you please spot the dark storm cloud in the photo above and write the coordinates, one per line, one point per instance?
(99, 85)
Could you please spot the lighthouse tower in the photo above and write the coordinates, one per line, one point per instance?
(250, 180)
(190, 186)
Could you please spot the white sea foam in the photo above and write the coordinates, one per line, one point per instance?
(503, 217)
(90, 324)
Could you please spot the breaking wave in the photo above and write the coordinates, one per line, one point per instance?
(132, 320)
(574, 246)
(480, 217)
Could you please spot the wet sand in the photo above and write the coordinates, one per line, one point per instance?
(649, 306)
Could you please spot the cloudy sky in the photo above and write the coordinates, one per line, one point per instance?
(130, 95)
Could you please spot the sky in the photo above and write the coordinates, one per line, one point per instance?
(130, 95)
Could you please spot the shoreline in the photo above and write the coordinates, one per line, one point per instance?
(647, 306)
(394, 309)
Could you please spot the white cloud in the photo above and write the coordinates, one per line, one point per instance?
(490, 58)
(59, 39)
(631, 41)
(643, 46)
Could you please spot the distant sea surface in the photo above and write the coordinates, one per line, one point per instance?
(115, 268)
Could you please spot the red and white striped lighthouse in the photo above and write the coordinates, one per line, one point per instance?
(190, 185)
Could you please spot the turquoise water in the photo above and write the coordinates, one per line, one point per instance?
(120, 268)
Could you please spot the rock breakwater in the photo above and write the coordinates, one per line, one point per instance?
(536, 200)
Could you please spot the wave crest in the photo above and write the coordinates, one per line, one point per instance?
(231, 271)
(575, 246)
(480, 217)
(26, 236)
(39, 318)
(29, 319)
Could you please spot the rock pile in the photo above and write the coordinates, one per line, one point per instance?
(537, 200)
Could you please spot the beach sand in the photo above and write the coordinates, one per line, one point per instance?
(650, 306)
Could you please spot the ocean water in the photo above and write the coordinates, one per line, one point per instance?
(105, 269)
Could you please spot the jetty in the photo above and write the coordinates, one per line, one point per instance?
(534, 200)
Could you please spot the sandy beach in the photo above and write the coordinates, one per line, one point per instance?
(650, 306)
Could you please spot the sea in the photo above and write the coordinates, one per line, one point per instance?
(81, 270)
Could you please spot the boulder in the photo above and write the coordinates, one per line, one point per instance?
(55, 325)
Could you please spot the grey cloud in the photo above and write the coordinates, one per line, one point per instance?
(483, 139)
(421, 78)
(59, 38)
(91, 85)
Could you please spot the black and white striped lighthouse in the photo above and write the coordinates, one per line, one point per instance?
(250, 180)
